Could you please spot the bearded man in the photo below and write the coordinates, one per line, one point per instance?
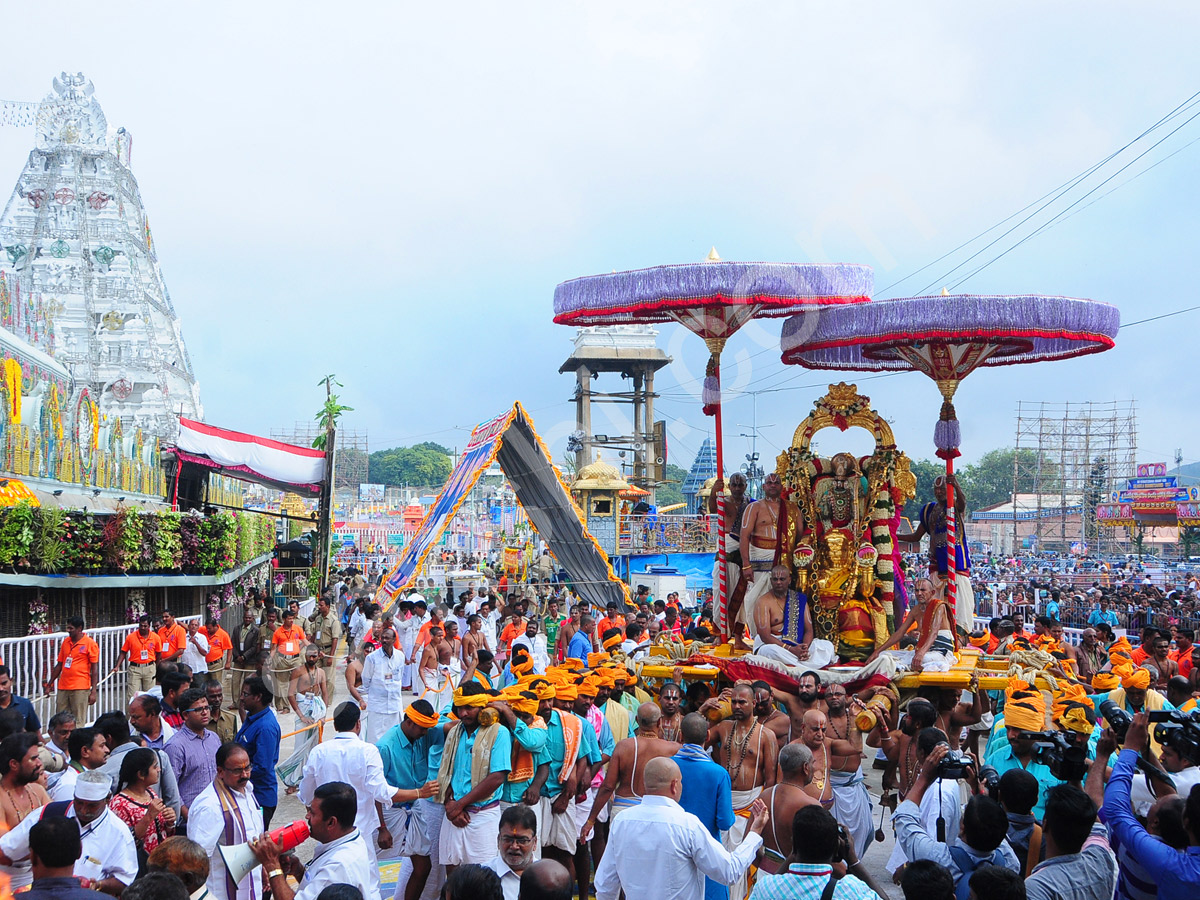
(735, 506)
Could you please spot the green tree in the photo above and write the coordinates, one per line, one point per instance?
(436, 448)
(990, 480)
(669, 491)
(417, 466)
(1189, 539)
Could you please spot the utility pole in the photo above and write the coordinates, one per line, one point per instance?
(753, 470)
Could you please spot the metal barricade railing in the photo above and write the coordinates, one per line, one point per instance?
(31, 659)
(669, 534)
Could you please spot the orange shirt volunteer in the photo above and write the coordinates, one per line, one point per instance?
(511, 632)
(289, 641)
(218, 644)
(142, 651)
(77, 658)
(173, 639)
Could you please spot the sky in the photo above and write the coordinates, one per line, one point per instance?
(391, 191)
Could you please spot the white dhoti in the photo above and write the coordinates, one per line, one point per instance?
(378, 722)
(940, 655)
(738, 890)
(761, 561)
(422, 838)
(852, 807)
(584, 810)
(436, 686)
(620, 804)
(733, 572)
(475, 842)
(964, 603)
(559, 830)
(291, 770)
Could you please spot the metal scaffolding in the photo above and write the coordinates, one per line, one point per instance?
(351, 469)
(1082, 452)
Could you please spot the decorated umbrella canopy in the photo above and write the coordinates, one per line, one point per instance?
(947, 337)
(713, 299)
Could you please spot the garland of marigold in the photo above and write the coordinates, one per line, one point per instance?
(12, 382)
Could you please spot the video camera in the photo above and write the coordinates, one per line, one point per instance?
(1178, 730)
(1066, 758)
(954, 765)
(1117, 718)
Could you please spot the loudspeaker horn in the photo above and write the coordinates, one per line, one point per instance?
(240, 860)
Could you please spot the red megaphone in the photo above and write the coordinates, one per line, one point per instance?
(289, 837)
(239, 859)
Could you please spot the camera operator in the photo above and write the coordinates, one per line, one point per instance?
(1024, 711)
(1178, 764)
(942, 803)
(1177, 873)
(981, 834)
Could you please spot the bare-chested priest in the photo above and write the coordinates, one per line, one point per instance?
(783, 799)
(851, 801)
(769, 532)
(735, 506)
(623, 782)
(828, 755)
(748, 751)
(935, 640)
(783, 622)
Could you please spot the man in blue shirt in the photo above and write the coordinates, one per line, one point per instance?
(9, 700)
(706, 789)
(412, 754)
(260, 735)
(581, 640)
(472, 802)
(1102, 614)
(1177, 871)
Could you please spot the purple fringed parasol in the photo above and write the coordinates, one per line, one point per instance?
(947, 337)
(712, 299)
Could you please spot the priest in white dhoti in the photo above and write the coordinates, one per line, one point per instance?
(769, 530)
(226, 814)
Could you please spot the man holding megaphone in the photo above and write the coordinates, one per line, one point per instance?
(341, 857)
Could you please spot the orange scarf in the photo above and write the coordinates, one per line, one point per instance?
(522, 759)
(572, 729)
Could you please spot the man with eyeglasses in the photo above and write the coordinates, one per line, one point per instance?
(193, 750)
(516, 842)
(226, 814)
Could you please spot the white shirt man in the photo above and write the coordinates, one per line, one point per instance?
(206, 826)
(657, 849)
(352, 760)
(341, 861)
(359, 626)
(194, 652)
(383, 682)
(108, 848)
(510, 881)
(941, 800)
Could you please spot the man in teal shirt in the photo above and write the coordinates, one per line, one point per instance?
(472, 798)
(518, 713)
(412, 754)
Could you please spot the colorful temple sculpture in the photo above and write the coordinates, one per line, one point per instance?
(844, 554)
(95, 370)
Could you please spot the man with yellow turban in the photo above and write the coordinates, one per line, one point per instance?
(410, 753)
(585, 707)
(571, 750)
(476, 761)
(518, 708)
(1024, 711)
(1135, 693)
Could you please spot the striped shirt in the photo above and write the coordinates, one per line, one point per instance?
(806, 881)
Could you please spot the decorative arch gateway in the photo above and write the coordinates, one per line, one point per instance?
(845, 557)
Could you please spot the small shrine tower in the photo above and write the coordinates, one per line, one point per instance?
(597, 490)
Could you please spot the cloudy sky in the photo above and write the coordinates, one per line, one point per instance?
(392, 191)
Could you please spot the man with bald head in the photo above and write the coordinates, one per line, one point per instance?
(783, 799)
(624, 781)
(658, 850)
(546, 880)
(814, 734)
